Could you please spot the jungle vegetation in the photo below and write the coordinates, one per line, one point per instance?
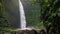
(50, 15)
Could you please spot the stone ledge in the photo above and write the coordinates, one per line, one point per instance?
(37, 31)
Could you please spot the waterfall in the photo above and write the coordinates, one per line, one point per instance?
(22, 16)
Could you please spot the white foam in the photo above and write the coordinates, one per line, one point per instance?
(25, 29)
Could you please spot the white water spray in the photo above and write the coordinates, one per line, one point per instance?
(22, 16)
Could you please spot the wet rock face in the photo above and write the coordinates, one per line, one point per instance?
(27, 32)
(31, 32)
(42, 32)
(12, 9)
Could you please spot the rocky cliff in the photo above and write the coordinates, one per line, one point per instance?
(12, 9)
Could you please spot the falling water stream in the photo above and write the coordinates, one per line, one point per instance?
(22, 16)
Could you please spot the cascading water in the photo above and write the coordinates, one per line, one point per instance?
(22, 16)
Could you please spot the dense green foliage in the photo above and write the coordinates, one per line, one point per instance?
(50, 15)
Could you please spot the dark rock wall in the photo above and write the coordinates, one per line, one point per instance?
(12, 9)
